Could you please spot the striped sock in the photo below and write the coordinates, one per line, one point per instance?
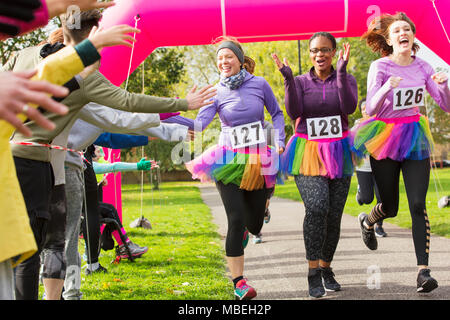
(376, 215)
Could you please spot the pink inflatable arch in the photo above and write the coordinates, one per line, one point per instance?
(177, 23)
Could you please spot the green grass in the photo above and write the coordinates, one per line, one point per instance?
(439, 218)
(185, 259)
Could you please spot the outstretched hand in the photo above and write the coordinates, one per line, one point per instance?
(278, 61)
(144, 165)
(18, 90)
(346, 53)
(197, 99)
(113, 36)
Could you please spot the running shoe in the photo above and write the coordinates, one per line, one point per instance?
(267, 216)
(379, 231)
(243, 291)
(328, 280)
(368, 235)
(257, 239)
(315, 285)
(100, 269)
(135, 250)
(246, 238)
(425, 282)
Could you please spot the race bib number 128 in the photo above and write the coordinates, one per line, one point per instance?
(324, 128)
(247, 135)
(405, 98)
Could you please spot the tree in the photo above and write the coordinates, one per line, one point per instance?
(158, 75)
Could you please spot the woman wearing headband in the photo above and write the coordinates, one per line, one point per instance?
(242, 165)
(398, 138)
(318, 154)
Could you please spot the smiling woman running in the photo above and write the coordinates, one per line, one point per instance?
(318, 154)
(399, 137)
(242, 164)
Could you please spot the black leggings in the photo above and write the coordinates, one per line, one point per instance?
(91, 229)
(324, 200)
(367, 188)
(244, 209)
(36, 183)
(416, 176)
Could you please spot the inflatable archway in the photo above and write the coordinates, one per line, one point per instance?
(199, 22)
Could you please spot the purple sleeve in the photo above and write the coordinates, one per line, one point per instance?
(181, 120)
(274, 110)
(377, 90)
(294, 106)
(439, 92)
(205, 116)
(347, 88)
(40, 20)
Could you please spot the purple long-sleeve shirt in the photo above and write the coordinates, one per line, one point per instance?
(307, 96)
(380, 94)
(242, 106)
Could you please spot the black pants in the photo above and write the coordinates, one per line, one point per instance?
(367, 188)
(416, 176)
(324, 200)
(91, 216)
(52, 258)
(244, 209)
(36, 183)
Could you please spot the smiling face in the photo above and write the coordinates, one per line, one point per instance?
(321, 60)
(228, 63)
(401, 37)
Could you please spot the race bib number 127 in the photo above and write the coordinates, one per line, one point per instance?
(324, 128)
(247, 135)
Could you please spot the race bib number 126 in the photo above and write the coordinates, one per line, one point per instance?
(324, 128)
(405, 98)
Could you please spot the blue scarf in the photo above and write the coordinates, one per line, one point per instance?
(234, 81)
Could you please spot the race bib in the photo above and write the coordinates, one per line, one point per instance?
(324, 128)
(405, 98)
(247, 135)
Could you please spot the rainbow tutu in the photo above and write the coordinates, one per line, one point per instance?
(331, 158)
(399, 139)
(248, 168)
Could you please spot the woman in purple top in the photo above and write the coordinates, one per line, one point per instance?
(318, 154)
(242, 165)
(398, 137)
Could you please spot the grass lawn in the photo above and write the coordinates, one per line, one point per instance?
(439, 218)
(185, 259)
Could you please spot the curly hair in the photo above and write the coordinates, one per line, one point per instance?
(378, 32)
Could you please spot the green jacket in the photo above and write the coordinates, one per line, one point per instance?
(95, 88)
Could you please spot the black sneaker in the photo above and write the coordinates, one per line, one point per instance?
(425, 282)
(100, 269)
(328, 280)
(379, 231)
(368, 235)
(135, 251)
(315, 286)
